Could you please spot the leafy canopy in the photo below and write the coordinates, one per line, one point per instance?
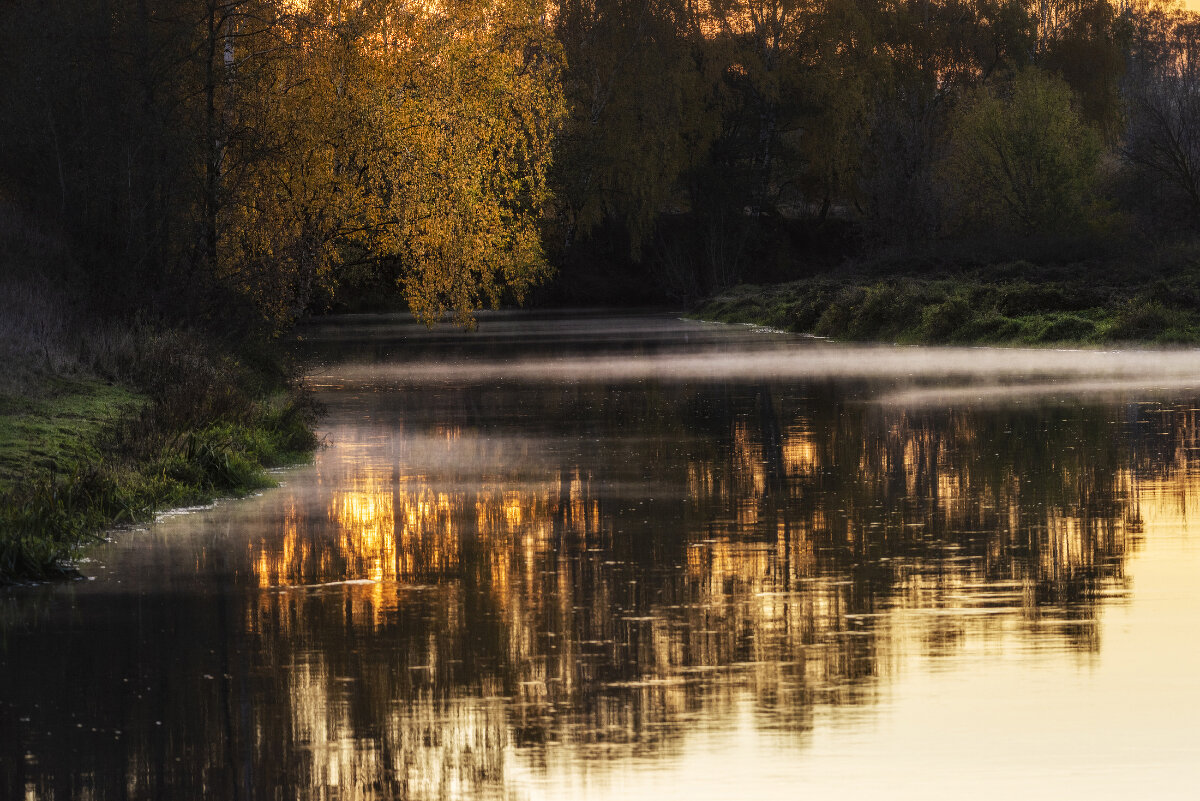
(1022, 159)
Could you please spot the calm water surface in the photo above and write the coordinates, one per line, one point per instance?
(633, 557)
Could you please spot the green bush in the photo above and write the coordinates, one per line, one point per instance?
(1067, 328)
(1014, 302)
(152, 453)
(879, 312)
(990, 326)
(1145, 320)
(1021, 298)
(940, 321)
(835, 320)
(1022, 160)
(43, 522)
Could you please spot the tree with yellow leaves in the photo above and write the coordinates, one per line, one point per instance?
(412, 138)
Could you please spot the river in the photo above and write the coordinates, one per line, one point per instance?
(625, 556)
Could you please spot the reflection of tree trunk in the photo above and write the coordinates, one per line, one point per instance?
(226, 680)
(160, 741)
(772, 444)
(564, 502)
(777, 498)
(245, 709)
(398, 523)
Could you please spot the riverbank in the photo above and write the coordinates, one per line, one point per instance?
(1153, 300)
(102, 425)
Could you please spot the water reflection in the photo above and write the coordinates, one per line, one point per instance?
(493, 590)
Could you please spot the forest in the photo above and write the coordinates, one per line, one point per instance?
(181, 181)
(255, 160)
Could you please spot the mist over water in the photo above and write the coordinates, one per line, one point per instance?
(811, 361)
(627, 556)
(665, 350)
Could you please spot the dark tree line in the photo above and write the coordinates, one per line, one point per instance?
(724, 140)
(254, 159)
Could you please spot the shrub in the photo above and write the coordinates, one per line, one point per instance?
(1067, 328)
(1021, 298)
(1140, 321)
(835, 320)
(940, 321)
(989, 327)
(1022, 161)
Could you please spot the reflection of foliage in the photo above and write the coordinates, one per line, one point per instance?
(1009, 490)
(597, 593)
(781, 544)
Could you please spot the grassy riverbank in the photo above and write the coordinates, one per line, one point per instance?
(1151, 299)
(104, 424)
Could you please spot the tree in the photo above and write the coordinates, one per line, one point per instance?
(1022, 160)
(266, 147)
(414, 139)
(936, 52)
(1162, 142)
(1084, 41)
(769, 50)
(643, 108)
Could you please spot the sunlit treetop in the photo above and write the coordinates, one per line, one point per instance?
(409, 138)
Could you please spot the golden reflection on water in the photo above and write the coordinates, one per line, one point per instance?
(426, 634)
(809, 586)
(455, 607)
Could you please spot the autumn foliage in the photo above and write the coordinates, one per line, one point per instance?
(263, 153)
(392, 135)
(244, 162)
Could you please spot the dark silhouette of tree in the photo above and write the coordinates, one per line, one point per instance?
(1162, 142)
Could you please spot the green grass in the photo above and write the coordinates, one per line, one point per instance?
(82, 455)
(107, 416)
(1011, 304)
(58, 429)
